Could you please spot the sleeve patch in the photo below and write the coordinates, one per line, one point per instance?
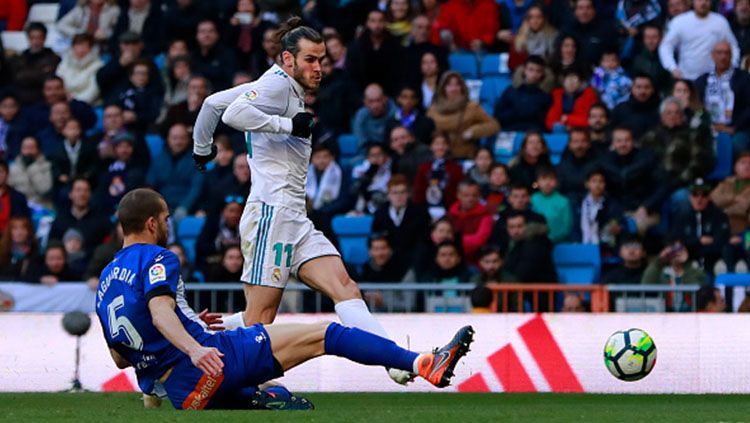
(157, 273)
(251, 95)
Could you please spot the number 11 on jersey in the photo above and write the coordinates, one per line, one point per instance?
(280, 248)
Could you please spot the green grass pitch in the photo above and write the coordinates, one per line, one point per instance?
(406, 407)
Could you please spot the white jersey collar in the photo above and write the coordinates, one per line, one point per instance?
(298, 90)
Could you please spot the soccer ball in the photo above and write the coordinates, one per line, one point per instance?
(630, 354)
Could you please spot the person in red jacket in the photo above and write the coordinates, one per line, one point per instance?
(571, 103)
(437, 181)
(466, 24)
(471, 219)
(12, 15)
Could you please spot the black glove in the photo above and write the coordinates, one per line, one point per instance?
(302, 124)
(202, 161)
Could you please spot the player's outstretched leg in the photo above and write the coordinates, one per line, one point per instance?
(328, 275)
(296, 343)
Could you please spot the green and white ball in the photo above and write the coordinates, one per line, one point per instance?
(630, 354)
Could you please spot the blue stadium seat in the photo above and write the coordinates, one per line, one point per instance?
(187, 234)
(465, 64)
(577, 263)
(155, 144)
(723, 166)
(347, 145)
(493, 65)
(352, 233)
(733, 279)
(492, 88)
(556, 144)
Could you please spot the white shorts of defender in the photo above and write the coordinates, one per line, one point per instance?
(276, 241)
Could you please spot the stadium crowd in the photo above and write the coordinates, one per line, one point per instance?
(643, 90)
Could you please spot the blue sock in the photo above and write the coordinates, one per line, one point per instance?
(367, 348)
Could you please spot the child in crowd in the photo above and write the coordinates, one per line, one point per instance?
(610, 80)
(554, 206)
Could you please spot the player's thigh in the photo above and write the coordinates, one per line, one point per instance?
(262, 303)
(328, 275)
(293, 344)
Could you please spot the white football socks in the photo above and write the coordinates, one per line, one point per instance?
(234, 321)
(354, 313)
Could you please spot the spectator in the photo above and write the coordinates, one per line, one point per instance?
(633, 15)
(405, 223)
(78, 69)
(241, 178)
(480, 171)
(709, 300)
(120, 176)
(533, 154)
(103, 254)
(325, 180)
(418, 44)
(385, 266)
(18, 249)
(673, 268)
(54, 92)
(635, 178)
(245, 32)
(675, 8)
(739, 21)
(211, 59)
(598, 121)
(31, 174)
(441, 231)
(733, 196)
(598, 217)
(114, 125)
(33, 65)
(140, 101)
(76, 157)
(144, 18)
(571, 102)
(186, 112)
(725, 91)
(336, 51)
(409, 115)
(338, 99)
(114, 77)
(92, 225)
(398, 15)
(13, 126)
(463, 120)
(529, 256)
(220, 178)
(186, 269)
(471, 219)
(685, 153)
(633, 257)
(370, 180)
(448, 267)
(490, 271)
(552, 205)
(523, 107)
(610, 80)
(75, 257)
(498, 188)
(694, 34)
(228, 268)
(51, 138)
(567, 56)
(431, 73)
(641, 112)
(684, 91)
(703, 228)
(172, 173)
(53, 267)
(646, 60)
(406, 153)
(181, 18)
(370, 121)
(436, 183)
(176, 77)
(371, 57)
(577, 161)
(12, 202)
(265, 57)
(466, 24)
(535, 37)
(96, 18)
(594, 34)
(573, 303)
(13, 15)
(219, 233)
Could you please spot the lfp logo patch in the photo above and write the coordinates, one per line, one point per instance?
(251, 95)
(157, 273)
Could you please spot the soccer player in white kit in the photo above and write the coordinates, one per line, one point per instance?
(279, 242)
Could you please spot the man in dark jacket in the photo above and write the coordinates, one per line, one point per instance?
(704, 228)
(211, 59)
(525, 107)
(577, 160)
(370, 58)
(337, 99)
(641, 112)
(530, 255)
(149, 26)
(33, 65)
(13, 126)
(407, 224)
(646, 61)
(418, 45)
(728, 104)
(93, 226)
(406, 153)
(594, 34)
(630, 271)
(54, 92)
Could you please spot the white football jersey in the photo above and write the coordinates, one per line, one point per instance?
(263, 110)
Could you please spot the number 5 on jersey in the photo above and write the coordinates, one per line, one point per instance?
(119, 324)
(280, 248)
